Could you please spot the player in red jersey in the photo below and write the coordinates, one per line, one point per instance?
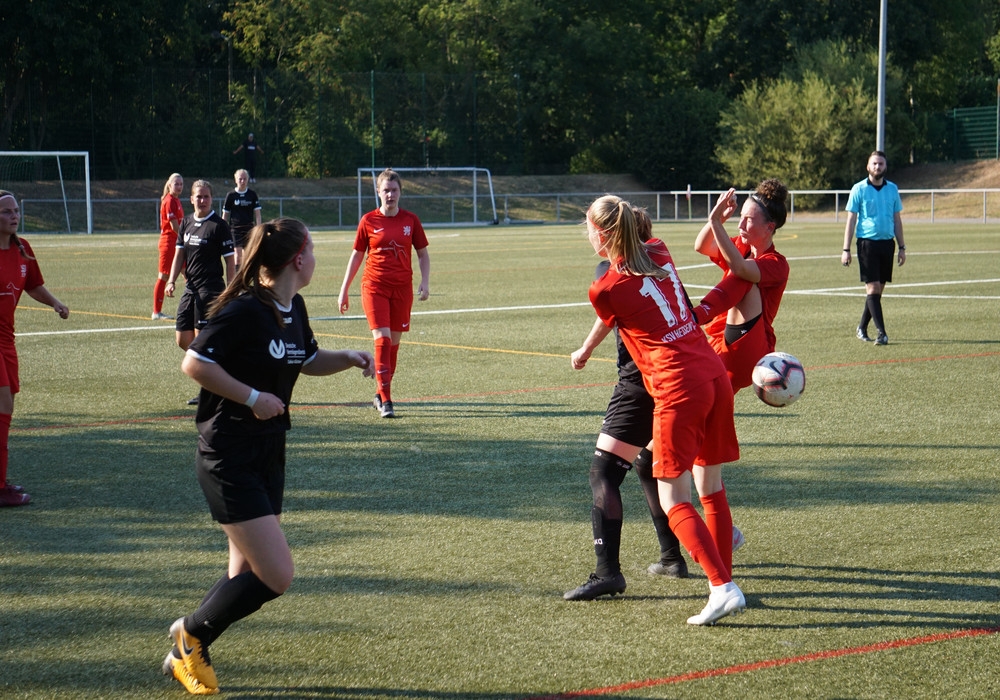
(19, 272)
(387, 235)
(171, 214)
(693, 430)
(739, 312)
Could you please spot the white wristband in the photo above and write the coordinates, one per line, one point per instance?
(252, 399)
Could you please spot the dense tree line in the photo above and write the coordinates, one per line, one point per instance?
(709, 92)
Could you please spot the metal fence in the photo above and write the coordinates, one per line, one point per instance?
(341, 212)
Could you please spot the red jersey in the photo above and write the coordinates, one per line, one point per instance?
(657, 326)
(389, 240)
(773, 278)
(170, 211)
(17, 274)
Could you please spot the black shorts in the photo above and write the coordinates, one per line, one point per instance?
(192, 309)
(629, 417)
(875, 259)
(240, 235)
(242, 477)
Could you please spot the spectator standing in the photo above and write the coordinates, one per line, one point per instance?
(873, 216)
(250, 149)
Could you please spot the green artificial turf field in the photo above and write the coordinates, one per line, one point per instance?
(432, 551)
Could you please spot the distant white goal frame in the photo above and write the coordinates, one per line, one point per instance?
(473, 171)
(86, 177)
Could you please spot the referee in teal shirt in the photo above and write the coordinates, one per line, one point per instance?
(873, 216)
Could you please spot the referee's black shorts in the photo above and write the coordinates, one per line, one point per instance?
(875, 258)
(242, 477)
(629, 417)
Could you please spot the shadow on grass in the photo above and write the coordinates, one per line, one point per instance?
(345, 693)
(117, 476)
(827, 591)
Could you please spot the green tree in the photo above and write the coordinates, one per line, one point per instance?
(804, 132)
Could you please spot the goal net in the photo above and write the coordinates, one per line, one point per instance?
(453, 196)
(52, 189)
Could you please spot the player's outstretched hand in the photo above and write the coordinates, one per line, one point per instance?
(61, 309)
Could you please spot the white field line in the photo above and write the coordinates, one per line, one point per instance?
(852, 291)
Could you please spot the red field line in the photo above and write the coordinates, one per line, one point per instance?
(772, 663)
(905, 360)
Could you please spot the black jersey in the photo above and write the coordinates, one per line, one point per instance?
(245, 339)
(205, 242)
(240, 206)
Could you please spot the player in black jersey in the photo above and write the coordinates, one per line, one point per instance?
(241, 211)
(247, 360)
(204, 244)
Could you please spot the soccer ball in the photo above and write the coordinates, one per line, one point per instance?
(778, 379)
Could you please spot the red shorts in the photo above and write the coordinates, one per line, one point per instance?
(387, 307)
(8, 368)
(741, 357)
(697, 428)
(167, 248)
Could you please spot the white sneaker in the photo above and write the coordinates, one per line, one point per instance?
(723, 600)
(738, 539)
(158, 316)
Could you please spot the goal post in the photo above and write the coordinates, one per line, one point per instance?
(53, 189)
(446, 196)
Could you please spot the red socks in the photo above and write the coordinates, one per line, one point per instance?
(159, 292)
(719, 520)
(384, 367)
(4, 435)
(724, 296)
(697, 540)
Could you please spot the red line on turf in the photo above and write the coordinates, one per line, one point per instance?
(905, 360)
(773, 663)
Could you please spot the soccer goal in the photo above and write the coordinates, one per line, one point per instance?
(452, 196)
(52, 188)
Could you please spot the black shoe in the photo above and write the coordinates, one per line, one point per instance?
(193, 402)
(671, 569)
(385, 409)
(597, 586)
(863, 335)
(882, 339)
(377, 403)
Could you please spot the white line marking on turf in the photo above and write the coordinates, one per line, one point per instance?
(96, 330)
(833, 290)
